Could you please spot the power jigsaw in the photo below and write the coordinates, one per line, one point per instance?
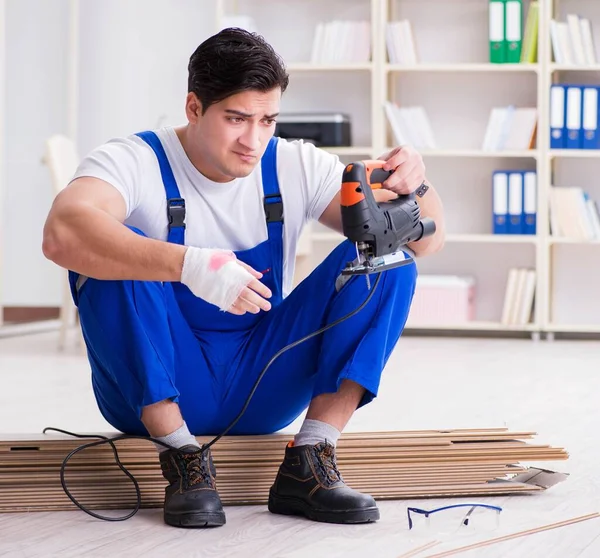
(378, 229)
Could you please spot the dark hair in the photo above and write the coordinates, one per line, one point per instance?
(232, 61)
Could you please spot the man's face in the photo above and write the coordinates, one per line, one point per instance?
(233, 134)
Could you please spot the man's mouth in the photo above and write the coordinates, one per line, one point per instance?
(248, 158)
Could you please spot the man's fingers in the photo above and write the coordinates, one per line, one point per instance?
(233, 309)
(414, 180)
(260, 288)
(247, 306)
(397, 181)
(256, 274)
(252, 299)
(401, 156)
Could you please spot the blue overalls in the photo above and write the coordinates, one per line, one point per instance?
(151, 341)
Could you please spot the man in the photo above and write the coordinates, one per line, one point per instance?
(181, 248)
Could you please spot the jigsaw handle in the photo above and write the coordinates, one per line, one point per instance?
(384, 226)
(360, 178)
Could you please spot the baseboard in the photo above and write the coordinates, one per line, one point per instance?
(26, 314)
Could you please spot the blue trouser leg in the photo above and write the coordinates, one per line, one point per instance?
(357, 349)
(142, 351)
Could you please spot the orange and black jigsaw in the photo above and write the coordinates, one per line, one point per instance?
(378, 229)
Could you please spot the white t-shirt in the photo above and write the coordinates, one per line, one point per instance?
(218, 215)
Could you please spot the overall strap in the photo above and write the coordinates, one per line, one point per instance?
(175, 203)
(273, 202)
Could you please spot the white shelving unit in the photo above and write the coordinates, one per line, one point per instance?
(458, 87)
(572, 266)
(461, 74)
(445, 74)
(476, 67)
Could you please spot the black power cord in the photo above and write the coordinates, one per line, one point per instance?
(110, 441)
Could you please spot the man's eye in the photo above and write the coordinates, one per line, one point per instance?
(235, 119)
(270, 121)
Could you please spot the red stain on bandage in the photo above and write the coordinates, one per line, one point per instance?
(217, 261)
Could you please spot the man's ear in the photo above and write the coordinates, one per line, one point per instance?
(193, 108)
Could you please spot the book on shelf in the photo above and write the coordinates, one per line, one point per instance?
(529, 51)
(410, 125)
(574, 116)
(514, 202)
(341, 42)
(519, 297)
(442, 300)
(400, 42)
(573, 41)
(573, 214)
(511, 42)
(511, 128)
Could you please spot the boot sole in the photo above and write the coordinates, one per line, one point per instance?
(294, 506)
(196, 520)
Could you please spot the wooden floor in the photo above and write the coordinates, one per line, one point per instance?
(551, 388)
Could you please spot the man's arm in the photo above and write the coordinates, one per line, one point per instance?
(84, 232)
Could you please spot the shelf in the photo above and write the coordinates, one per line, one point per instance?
(573, 328)
(573, 68)
(477, 153)
(309, 67)
(566, 240)
(473, 326)
(493, 238)
(483, 67)
(349, 150)
(579, 153)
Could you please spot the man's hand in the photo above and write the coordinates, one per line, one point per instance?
(408, 167)
(218, 277)
(252, 298)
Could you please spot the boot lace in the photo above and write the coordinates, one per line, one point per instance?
(326, 464)
(194, 469)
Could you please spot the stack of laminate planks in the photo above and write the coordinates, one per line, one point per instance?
(388, 465)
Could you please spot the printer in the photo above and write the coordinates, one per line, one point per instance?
(324, 129)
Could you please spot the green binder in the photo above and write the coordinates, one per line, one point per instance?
(496, 32)
(513, 18)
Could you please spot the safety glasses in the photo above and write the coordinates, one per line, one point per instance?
(455, 518)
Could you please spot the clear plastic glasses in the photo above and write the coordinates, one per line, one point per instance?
(454, 519)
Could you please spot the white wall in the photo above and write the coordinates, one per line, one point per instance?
(35, 89)
(133, 63)
(132, 74)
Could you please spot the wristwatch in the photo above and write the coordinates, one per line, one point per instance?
(421, 190)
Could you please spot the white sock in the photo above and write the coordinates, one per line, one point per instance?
(313, 432)
(181, 437)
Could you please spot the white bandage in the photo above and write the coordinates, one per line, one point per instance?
(214, 275)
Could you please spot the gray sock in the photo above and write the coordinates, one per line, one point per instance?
(181, 437)
(315, 431)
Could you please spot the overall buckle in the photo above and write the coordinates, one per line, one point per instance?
(273, 210)
(176, 212)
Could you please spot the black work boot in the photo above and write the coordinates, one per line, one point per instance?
(309, 483)
(191, 499)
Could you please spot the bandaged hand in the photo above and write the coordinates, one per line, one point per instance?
(219, 278)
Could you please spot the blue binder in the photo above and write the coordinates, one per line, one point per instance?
(515, 202)
(558, 107)
(529, 218)
(500, 202)
(573, 117)
(589, 118)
